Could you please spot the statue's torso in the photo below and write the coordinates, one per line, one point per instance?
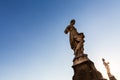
(73, 32)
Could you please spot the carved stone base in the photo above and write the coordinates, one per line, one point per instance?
(84, 69)
(80, 59)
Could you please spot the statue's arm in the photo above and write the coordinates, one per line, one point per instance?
(66, 30)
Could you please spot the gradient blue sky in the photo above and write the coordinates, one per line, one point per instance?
(33, 45)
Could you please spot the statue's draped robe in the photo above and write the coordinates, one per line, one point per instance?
(73, 32)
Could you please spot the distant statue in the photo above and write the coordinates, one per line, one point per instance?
(76, 39)
(106, 64)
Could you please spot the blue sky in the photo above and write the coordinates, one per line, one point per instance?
(33, 45)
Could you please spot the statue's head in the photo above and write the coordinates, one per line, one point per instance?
(103, 59)
(72, 21)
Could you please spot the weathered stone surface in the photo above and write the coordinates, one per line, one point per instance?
(80, 59)
(86, 71)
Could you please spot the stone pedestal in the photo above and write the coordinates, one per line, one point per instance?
(80, 59)
(84, 69)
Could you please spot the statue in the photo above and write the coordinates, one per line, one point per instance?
(76, 39)
(83, 67)
(106, 64)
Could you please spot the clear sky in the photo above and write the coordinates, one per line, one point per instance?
(33, 45)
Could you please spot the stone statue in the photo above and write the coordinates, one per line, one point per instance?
(106, 64)
(83, 67)
(76, 39)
